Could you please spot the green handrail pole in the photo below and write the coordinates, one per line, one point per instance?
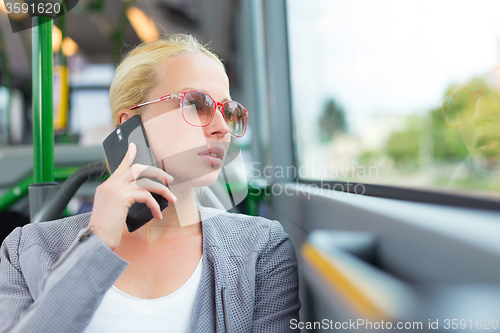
(43, 127)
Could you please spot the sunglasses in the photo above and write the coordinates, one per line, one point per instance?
(459, 107)
(198, 109)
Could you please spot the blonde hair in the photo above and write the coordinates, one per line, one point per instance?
(138, 73)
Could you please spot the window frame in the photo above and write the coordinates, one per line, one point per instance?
(278, 20)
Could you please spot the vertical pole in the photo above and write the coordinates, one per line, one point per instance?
(62, 26)
(5, 133)
(61, 68)
(43, 127)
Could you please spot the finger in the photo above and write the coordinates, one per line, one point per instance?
(157, 188)
(146, 198)
(147, 171)
(129, 157)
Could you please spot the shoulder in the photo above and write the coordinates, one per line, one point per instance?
(240, 233)
(52, 236)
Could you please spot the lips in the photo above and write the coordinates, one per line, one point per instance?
(484, 140)
(216, 152)
(213, 156)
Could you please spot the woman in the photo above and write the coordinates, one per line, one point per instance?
(474, 109)
(87, 273)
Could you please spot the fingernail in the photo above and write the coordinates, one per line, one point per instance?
(175, 198)
(170, 178)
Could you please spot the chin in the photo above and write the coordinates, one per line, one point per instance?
(208, 180)
(205, 180)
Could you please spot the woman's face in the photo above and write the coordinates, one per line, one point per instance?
(175, 143)
(481, 133)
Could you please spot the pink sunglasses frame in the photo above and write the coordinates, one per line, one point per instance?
(182, 94)
(473, 111)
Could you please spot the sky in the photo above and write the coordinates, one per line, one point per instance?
(386, 57)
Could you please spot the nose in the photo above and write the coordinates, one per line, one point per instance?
(218, 126)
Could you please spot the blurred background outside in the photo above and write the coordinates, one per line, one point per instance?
(368, 79)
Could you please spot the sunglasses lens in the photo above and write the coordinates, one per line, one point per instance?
(457, 108)
(198, 108)
(235, 116)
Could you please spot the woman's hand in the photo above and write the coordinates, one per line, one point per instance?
(120, 191)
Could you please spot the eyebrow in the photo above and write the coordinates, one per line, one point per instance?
(184, 89)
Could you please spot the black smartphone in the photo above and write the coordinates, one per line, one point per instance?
(115, 148)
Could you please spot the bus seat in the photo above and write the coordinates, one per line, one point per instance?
(16, 164)
(208, 198)
(54, 208)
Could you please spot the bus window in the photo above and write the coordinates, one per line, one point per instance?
(397, 93)
(90, 111)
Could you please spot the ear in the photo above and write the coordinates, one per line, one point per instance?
(124, 115)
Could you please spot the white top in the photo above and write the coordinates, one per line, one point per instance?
(123, 313)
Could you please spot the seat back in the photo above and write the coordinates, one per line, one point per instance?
(207, 198)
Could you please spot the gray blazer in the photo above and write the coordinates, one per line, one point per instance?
(53, 277)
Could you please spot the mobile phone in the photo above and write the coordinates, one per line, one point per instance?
(116, 147)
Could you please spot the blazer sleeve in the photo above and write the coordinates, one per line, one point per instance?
(276, 284)
(69, 294)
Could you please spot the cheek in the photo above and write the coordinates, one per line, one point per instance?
(168, 135)
(469, 135)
